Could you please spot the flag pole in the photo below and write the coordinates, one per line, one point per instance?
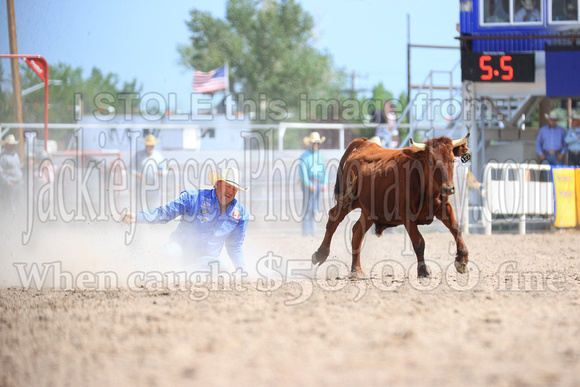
(227, 78)
(227, 88)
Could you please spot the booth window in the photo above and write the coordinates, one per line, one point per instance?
(496, 11)
(527, 11)
(564, 10)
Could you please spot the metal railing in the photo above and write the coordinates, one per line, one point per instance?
(429, 87)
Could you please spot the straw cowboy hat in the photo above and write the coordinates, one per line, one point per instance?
(552, 116)
(150, 140)
(377, 140)
(232, 176)
(576, 116)
(10, 140)
(314, 138)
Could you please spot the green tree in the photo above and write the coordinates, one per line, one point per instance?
(6, 104)
(377, 102)
(72, 88)
(380, 93)
(399, 106)
(268, 46)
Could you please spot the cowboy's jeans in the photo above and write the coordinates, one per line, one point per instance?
(12, 199)
(310, 207)
(553, 159)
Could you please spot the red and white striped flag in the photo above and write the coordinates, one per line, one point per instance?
(210, 82)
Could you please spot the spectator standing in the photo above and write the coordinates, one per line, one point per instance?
(572, 140)
(149, 165)
(313, 179)
(11, 177)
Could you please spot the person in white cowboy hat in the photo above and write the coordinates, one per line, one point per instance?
(572, 140)
(528, 12)
(210, 219)
(377, 140)
(550, 144)
(313, 180)
(11, 177)
(148, 166)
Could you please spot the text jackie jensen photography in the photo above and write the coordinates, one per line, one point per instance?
(88, 189)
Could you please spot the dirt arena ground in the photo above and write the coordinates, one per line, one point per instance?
(512, 321)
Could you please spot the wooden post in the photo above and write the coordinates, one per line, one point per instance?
(15, 74)
(546, 105)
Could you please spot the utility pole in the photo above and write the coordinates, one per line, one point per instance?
(409, 68)
(353, 90)
(15, 73)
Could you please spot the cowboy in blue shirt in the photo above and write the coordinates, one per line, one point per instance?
(11, 177)
(573, 141)
(314, 180)
(210, 219)
(550, 144)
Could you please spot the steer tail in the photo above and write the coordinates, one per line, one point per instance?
(345, 189)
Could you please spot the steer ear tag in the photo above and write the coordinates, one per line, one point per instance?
(466, 157)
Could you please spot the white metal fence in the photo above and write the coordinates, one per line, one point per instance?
(512, 193)
(515, 192)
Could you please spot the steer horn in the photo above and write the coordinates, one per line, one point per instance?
(417, 146)
(462, 141)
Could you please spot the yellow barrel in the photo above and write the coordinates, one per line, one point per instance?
(577, 173)
(565, 197)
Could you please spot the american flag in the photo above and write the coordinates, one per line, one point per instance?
(210, 82)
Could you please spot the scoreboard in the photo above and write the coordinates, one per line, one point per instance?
(498, 67)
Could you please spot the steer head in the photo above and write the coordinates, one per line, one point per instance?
(438, 155)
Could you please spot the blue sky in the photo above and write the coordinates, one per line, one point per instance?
(139, 39)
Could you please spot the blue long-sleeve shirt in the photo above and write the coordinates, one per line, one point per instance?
(573, 139)
(551, 139)
(312, 167)
(203, 231)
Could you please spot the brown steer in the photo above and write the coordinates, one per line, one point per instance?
(409, 186)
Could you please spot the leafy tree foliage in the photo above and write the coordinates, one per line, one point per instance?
(73, 89)
(6, 104)
(269, 47)
(380, 93)
(97, 91)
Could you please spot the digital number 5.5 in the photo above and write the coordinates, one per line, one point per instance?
(489, 72)
(510, 71)
(485, 67)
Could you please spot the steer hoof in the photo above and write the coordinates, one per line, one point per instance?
(318, 258)
(357, 275)
(461, 267)
(423, 271)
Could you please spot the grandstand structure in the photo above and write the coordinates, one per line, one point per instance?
(514, 62)
(510, 68)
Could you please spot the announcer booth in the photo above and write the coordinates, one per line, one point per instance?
(533, 49)
(514, 54)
